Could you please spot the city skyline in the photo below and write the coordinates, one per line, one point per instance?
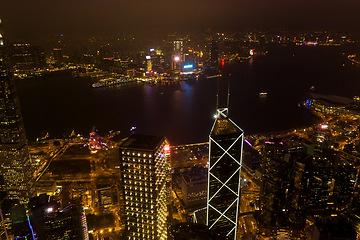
(105, 116)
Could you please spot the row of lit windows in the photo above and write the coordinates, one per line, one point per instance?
(140, 183)
(137, 176)
(143, 161)
(138, 205)
(142, 226)
(139, 236)
(137, 171)
(140, 216)
(139, 199)
(138, 166)
(136, 154)
(130, 193)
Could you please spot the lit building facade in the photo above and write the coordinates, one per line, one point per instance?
(194, 188)
(52, 222)
(225, 160)
(15, 166)
(145, 173)
(179, 49)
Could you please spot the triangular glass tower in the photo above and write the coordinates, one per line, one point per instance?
(225, 159)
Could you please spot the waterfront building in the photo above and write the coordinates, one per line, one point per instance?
(26, 58)
(225, 159)
(179, 49)
(22, 57)
(178, 55)
(145, 174)
(330, 104)
(214, 53)
(15, 165)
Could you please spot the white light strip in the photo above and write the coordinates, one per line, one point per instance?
(223, 214)
(226, 151)
(224, 184)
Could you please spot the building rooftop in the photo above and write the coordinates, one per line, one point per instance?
(331, 100)
(144, 142)
(197, 174)
(224, 126)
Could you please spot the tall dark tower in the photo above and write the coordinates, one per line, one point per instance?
(15, 167)
(214, 53)
(225, 159)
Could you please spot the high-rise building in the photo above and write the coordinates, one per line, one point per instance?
(25, 58)
(345, 182)
(225, 159)
(53, 222)
(15, 166)
(214, 53)
(145, 172)
(275, 181)
(179, 49)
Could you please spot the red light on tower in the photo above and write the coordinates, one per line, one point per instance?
(222, 62)
(167, 148)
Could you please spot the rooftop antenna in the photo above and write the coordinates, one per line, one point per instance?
(228, 96)
(217, 94)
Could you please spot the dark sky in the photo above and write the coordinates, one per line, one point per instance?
(38, 17)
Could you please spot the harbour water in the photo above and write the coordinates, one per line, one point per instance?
(183, 112)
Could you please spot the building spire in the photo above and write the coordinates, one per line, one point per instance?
(228, 96)
(217, 94)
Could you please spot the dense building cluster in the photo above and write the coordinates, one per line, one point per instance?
(299, 184)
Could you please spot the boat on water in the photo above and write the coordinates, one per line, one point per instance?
(214, 76)
(110, 82)
(263, 94)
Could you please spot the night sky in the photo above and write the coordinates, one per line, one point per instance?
(38, 17)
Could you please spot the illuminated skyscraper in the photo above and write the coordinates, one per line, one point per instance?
(15, 167)
(225, 159)
(179, 49)
(145, 172)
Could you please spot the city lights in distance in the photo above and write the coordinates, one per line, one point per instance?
(152, 49)
(176, 58)
(148, 57)
(50, 209)
(251, 52)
